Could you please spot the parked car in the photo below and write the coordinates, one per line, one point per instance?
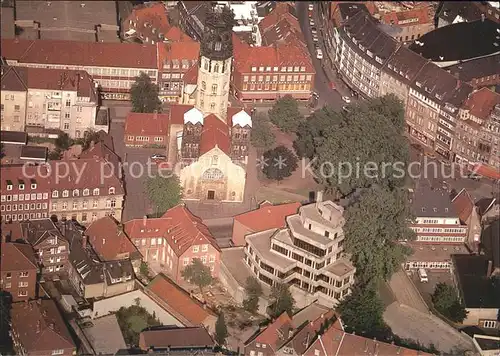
(422, 274)
(314, 31)
(311, 7)
(319, 53)
(346, 108)
(311, 22)
(474, 176)
(346, 99)
(315, 38)
(158, 157)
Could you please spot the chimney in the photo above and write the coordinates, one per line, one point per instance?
(483, 17)
(84, 241)
(144, 220)
(459, 84)
(38, 327)
(490, 269)
(319, 196)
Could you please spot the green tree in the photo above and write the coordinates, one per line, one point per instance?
(285, 114)
(63, 141)
(253, 290)
(132, 320)
(370, 136)
(144, 269)
(446, 301)
(164, 193)
(282, 300)
(362, 311)
(262, 135)
(144, 95)
(89, 137)
(279, 163)
(221, 330)
(376, 222)
(54, 155)
(198, 274)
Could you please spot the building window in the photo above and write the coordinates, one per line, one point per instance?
(23, 293)
(111, 190)
(213, 174)
(203, 85)
(55, 194)
(196, 249)
(76, 192)
(65, 193)
(204, 248)
(58, 352)
(185, 262)
(212, 106)
(214, 89)
(24, 274)
(96, 191)
(86, 192)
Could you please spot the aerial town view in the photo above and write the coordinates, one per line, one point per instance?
(250, 178)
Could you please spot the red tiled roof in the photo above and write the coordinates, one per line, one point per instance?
(481, 102)
(178, 299)
(419, 13)
(177, 112)
(177, 224)
(487, 171)
(15, 174)
(40, 327)
(215, 133)
(281, 10)
(108, 239)
(106, 54)
(175, 34)
(267, 216)
(463, 204)
(147, 124)
(154, 15)
(183, 50)
(17, 256)
(270, 334)
(280, 26)
(191, 76)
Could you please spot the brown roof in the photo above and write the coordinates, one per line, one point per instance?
(422, 14)
(13, 80)
(177, 112)
(280, 25)
(267, 216)
(463, 204)
(106, 54)
(404, 64)
(178, 299)
(17, 256)
(175, 34)
(215, 133)
(191, 76)
(40, 327)
(108, 239)
(276, 333)
(147, 124)
(482, 102)
(190, 337)
(150, 16)
(14, 175)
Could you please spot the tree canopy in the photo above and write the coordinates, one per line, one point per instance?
(253, 290)
(163, 192)
(369, 136)
(63, 141)
(285, 114)
(446, 301)
(262, 134)
(221, 329)
(376, 221)
(198, 274)
(144, 95)
(279, 163)
(282, 300)
(132, 320)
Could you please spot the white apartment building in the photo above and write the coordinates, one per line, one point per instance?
(307, 254)
(56, 99)
(13, 99)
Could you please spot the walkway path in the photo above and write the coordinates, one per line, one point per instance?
(406, 293)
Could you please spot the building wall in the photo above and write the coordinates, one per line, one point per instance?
(34, 203)
(53, 254)
(210, 257)
(413, 32)
(239, 233)
(111, 290)
(230, 188)
(391, 85)
(13, 110)
(20, 288)
(87, 209)
(476, 316)
(171, 79)
(262, 350)
(422, 117)
(212, 92)
(144, 140)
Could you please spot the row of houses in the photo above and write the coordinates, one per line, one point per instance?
(456, 118)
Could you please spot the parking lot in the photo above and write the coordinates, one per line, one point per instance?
(426, 289)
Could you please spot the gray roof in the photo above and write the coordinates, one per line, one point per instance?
(349, 9)
(15, 137)
(404, 65)
(459, 41)
(432, 202)
(490, 241)
(34, 152)
(261, 241)
(35, 231)
(465, 9)
(476, 68)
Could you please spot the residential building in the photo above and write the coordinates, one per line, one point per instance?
(290, 335)
(50, 245)
(24, 192)
(147, 23)
(360, 51)
(478, 130)
(173, 241)
(39, 329)
(486, 345)
(463, 204)
(192, 15)
(479, 72)
(308, 255)
(57, 99)
(143, 129)
(111, 243)
(466, 11)
(432, 108)
(89, 275)
(399, 72)
(93, 193)
(113, 66)
(268, 73)
(279, 26)
(188, 310)
(19, 269)
(458, 42)
(479, 290)
(266, 216)
(175, 339)
(13, 93)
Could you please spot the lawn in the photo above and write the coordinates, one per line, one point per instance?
(132, 320)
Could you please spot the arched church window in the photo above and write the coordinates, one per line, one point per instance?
(213, 174)
(216, 68)
(206, 65)
(214, 88)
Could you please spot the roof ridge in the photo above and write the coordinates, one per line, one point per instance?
(22, 253)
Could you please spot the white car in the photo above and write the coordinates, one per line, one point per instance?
(315, 38)
(311, 22)
(311, 7)
(314, 31)
(346, 99)
(319, 53)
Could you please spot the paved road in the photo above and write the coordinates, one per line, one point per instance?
(405, 292)
(426, 328)
(321, 84)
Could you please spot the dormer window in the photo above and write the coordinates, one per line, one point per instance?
(76, 193)
(55, 194)
(96, 191)
(111, 190)
(33, 184)
(21, 186)
(9, 185)
(65, 193)
(418, 84)
(428, 90)
(435, 210)
(86, 192)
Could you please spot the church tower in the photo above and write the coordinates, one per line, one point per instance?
(216, 55)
